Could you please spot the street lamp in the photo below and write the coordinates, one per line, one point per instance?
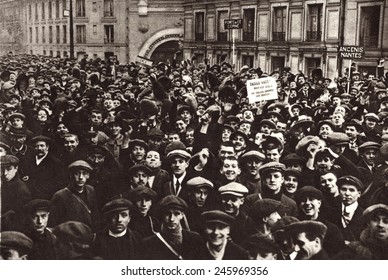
(69, 13)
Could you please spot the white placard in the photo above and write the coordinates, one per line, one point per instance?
(144, 61)
(262, 89)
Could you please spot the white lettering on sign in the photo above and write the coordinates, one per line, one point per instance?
(351, 52)
(262, 89)
(144, 61)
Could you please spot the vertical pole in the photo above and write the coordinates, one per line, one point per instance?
(233, 48)
(349, 75)
(71, 29)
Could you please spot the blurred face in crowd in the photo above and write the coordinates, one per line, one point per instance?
(351, 131)
(186, 116)
(281, 127)
(42, 116)
(349, 194)
(271, 219)
(96, 118)
(369, 155)
(338, 119)
(290, 183)
(143, 205)
(273, 180)
(226, 132)
(200, 195)
(325, 130)
(216, 233)
(245, 128)
(252, 165)
(230, 169)
(179, 166)
(152, 159)
(370, 123)
(9, 172)
(329, 183)
(41, 148)
(39, 221)
(306, 248)
(11, 254)
(378, 226)
(173, 137)
(239, 143)
(180, 126)
(324, 164)
(17, 122)
(96, 160)
(273, 155)
(80, 177)
(115, 129)
(266, 129)
(226, 151)
(231, 203)
(138, 153)
(71, 142)
(139, 178)
(189, 137)
(310, 206)
(172, 218)
(118, 222)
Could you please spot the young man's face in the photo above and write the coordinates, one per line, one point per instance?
(9, 172)
(173, 137)
(325, 130)
(17, 122)
(230, 169)
(39, 220)
(153, 159)
(172, 218)
(273, 180)
(329, 183)
(290, 183)
(226, 134)
(180, 126)
(71, 143)
(80, 177)
(239, 143)
(200, 195)
(352, 132)
(324, 164)
(143, 205)
(179, 165)
(118, 222)
(349, 194)
(96, 160)
(310, 206)
(231, 204)
(369, 155)
(378, 226)
(139, 179)
(305, 248)
(189, 137)
(253, 165)
(216, 233)
(138, 153)
(96, 118)
(273, 155)
(226, 151)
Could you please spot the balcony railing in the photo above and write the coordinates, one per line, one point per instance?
(369, 41)
(222, 36)
(278, 36)
(314, 35)
(248, 36)
(199, 36)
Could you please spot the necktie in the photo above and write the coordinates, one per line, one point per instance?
(177, 187)
(345, 217)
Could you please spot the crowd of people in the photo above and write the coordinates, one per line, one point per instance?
(102, 160)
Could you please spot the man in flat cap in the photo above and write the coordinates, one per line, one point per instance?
(261, 247)
(77, 201)
(14, 245)
(216, 230)
(173, 242)
(138, 176)
(369, 152)
(14, 192)
(45, 173)
(158, 175)
(372, 244)
(37, 213)
(308, 237)
(250, 176)
(232, 197)
(116, 241)
(283, 237)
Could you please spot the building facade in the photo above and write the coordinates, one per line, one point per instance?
(301, 34)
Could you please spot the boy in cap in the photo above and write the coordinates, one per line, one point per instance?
(37, 213)
(14, 245)
(173, 242)
(250, 176)
(77, 201)
(116, 241)
(216, 231)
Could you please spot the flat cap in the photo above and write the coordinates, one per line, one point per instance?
(199, 181)
(80, 164)
(16, 240)
(116, 205)
(267, 122)
(292, 172)
(139, 167)
(337, 138)
(325, 122)
(263, 208)
(17, 115)
(172, 202)
(350, 180)
(37, 204)
(369, 145)
(242, 134)
(73, 231)
(9, 160)
(260, 243)
(372, 116)
(270, 167)
(313, 227)
(369, 212)
(41, 138)
(284, 223)
(137, 142)
(308, 191)
(292, 158)
(234, 188)
(252, 154)
(217, 216)
(304, 142)
(96, 149)
(178, 153)
(141, 192)
(174, 145)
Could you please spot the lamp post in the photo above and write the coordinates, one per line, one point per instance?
(71, 29)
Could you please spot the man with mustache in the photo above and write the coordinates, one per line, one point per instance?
(116, 241)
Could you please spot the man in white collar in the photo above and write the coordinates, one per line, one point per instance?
(116, 241)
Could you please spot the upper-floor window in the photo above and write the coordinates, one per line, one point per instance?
(43, 10)
(56, 8)
(29, 12)
(81, 34)
(64, 34)
(109, 34)
(50, 9)
(36, 35)
(370, 26)
(108, 8)
(199, 26)
(50, 34)
(30, 34)
(279, 24)
(249, 25)
(222, 34)
(314, 23)
(43, 35)
(58, 34)
(36, 11)
(80, 8)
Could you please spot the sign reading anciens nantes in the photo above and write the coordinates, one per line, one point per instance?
(351, 52)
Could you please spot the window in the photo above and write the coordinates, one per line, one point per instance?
(94, 7)
(109, 34)
(108, 8)
(51, 53)
(248, 24)
(222, 34)
(314, 21)
(248, 60)
(29, 12)
(50, 9)
(63, 6)
(43, 35)
(199, 26)
(94, 29)
(64, 27)
(50, 34)
(57, 9)
(81, 34)
(370, 25)
(58, 54)
(44, 52)
(80, 8)
(279, 24)
(65, 54)
(58, 34)
(43, 11)
(36, 11)
(36, 35)
(30, 35)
